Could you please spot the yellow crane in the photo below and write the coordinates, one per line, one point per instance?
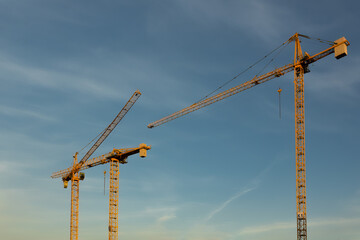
(72, 174)
(299, 66)
(115, 157)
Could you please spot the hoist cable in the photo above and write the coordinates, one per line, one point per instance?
(279, 91)
(318, 39)
(92, 140)
(245, 70)
(104, 181)
(271, 60)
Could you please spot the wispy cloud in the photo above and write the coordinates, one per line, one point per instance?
(333, 221)
(266, 228)
(343, 79)
(158, 215)
(9, 168)
(224, 204)
(253, 184)
(161, 214)
(53, 79)
(41, 149)
(258, 17)
(166, 218)
(321, 222)
(17, 112)
(106, 80)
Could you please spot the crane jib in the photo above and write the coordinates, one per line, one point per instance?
(107, 131)
(230, 92)
(103, 159)
(112, 125)
(342, 42)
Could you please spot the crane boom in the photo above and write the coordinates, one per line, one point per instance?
(106, 132)
(103, 159)
(249, 84)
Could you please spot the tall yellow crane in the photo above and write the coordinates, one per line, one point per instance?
(75, 176)
(115, 158)
(299, 66)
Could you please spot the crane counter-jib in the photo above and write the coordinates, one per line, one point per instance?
(103, 159)
(88, 164)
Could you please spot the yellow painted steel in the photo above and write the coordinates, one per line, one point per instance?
(105, 133)
(251, 83)
(300, 66)
(142, 151)
(300, 142)
(74, 214)
(115, 162)
(72, 173)
(103, 159)
(228, 93)
(115, 157)
(114, 199)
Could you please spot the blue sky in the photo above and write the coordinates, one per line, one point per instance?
(224, 172)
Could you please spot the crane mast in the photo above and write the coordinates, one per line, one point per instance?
(114, 198)
(72, 173)
(300, 67)
(300, 142)
(115, 158)
(74, 212)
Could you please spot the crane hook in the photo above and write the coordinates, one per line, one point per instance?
(279, 91)
(104, 181)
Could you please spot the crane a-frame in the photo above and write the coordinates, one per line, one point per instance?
(299, 66)
(72, 174)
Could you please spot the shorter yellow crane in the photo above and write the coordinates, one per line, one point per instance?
(115, 158)
(72, 173)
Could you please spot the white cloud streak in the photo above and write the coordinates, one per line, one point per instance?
(227, 202)
(321, 222)
(254, 183)
(53, 79)
(17, 112)
(161, 214)
(343, 79)
(266, 228)
(166, 218)
(98, 80)
(256, 17)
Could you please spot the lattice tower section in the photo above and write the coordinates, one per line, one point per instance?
(74, 215)
(300, 145)
(114, 199)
